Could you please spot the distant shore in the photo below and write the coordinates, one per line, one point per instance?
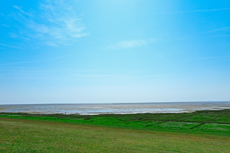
(2, 109)
(116, 108)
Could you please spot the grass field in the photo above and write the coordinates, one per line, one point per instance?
(201, 131)
(210, 121)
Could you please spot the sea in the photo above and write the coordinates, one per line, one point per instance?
(115, 108)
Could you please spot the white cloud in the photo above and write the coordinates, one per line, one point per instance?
(54, 23)
(132, 43)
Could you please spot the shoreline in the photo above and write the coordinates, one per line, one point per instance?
(2, 110)
(98, 114)
(124, 108)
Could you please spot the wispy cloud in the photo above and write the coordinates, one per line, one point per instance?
(220, 29)
(196, 11)
(200, 37)
(38, 61)
(53, 23)
(23, 70)
(10, 46)
(23, 12)
(215, 33)
(52, 74)
(94, 75)
(4, 25)
(131, 43)
(190, 11)
(213, 57)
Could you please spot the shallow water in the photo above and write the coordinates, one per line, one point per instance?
(117, 108)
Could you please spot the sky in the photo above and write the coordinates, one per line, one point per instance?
(114, 51)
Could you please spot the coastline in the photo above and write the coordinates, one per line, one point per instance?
(121, 108)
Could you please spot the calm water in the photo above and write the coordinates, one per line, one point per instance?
(125, 108)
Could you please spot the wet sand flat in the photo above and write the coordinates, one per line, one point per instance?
(116, 108)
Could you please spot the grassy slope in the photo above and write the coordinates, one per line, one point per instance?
(17, 135)
(211, 122)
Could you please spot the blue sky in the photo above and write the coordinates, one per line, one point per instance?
(86, 51)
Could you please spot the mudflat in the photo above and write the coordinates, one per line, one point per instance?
(2, 109)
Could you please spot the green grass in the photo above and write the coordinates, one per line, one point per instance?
(201, 131)
(19, 135)
(212, 122)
